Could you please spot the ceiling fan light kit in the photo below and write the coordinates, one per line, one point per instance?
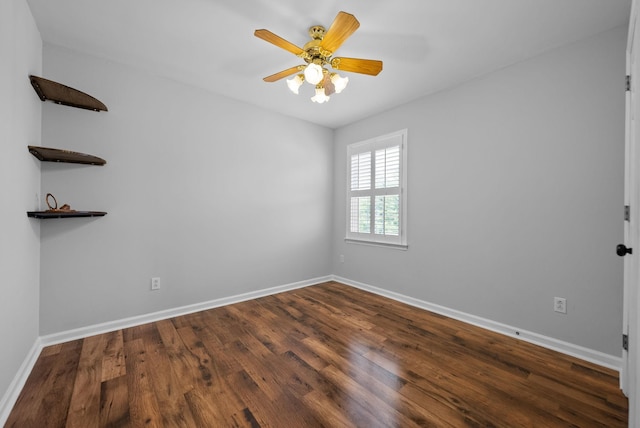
(339, 82)
(317, 53)
(295, 83)
(320, 96)
(313, 73)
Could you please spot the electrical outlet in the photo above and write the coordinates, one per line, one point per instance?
(560, 305)
(341, 258)
(155, 283)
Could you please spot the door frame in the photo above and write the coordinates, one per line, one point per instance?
(631, 303)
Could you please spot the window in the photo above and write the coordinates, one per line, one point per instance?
(376, 190)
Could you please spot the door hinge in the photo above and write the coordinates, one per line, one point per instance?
(627, 213)
(625, 342)
(628, 83)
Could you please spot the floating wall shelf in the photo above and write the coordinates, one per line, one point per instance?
(65, 95)
(47, 154)
(64, 214)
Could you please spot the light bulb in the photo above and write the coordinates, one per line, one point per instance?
(313, 74)
(320, 97)
(339, 82)
(295, 83)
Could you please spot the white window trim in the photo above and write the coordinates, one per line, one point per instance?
(399, 242)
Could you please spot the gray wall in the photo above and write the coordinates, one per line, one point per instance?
(515, 192)
(213, 196)
(20, 55)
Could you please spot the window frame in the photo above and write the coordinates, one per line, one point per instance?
(398, 138)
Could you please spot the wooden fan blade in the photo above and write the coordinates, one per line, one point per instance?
(274, 39)
(284, 73)
(356, 65)
(342, 27)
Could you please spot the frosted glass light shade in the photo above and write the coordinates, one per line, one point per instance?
(313, 74)
(320, 97)
(295, 83)
(339, 82)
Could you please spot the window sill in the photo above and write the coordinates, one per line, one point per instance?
(403, 247)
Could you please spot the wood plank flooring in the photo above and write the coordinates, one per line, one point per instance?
(327, 355)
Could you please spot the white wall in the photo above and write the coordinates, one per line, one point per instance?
(213, 196)
(515, 196)
(20, 55)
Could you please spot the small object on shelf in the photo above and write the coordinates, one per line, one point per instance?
(65, 95)
(47, 154)
(64, 214)
(66, 208)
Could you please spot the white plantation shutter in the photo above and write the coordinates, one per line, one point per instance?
(361, 171)
(376, 206)
(388, 167)
(361, 214)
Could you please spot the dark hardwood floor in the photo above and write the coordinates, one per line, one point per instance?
(327, 355)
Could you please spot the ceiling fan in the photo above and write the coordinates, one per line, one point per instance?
(317, 54)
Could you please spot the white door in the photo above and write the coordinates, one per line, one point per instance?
(631, 326)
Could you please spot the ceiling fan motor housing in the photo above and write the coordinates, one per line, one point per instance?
(313, 52)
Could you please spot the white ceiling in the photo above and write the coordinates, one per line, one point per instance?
(426, 45)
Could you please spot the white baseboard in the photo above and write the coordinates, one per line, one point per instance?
(11, 395)
(567, 348)
(79, 333)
